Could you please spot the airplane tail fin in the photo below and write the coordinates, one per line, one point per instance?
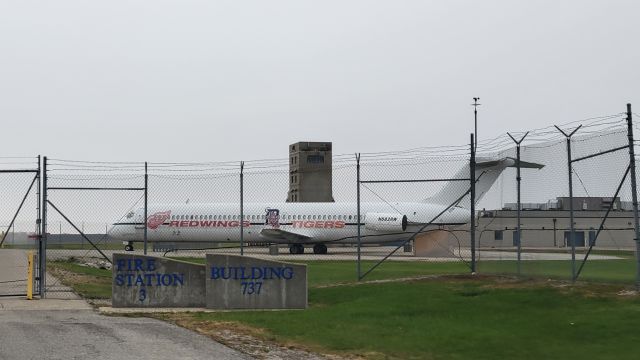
(487, 172)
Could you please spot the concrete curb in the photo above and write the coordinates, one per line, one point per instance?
(108, 310)
(13, 304)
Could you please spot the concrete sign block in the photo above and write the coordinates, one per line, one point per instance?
(241, 282)
(149, 281)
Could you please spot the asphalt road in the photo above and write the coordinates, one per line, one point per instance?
(13, 272)
(84, 334)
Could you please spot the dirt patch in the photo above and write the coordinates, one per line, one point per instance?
(563, 286)
(77, 281)
(251, 341)
(449, 278)
(628, 293)
(69, 278)
(488, 282)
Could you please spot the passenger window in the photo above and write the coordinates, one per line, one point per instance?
(349, 217)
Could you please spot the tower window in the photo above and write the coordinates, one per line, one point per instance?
(315, 159)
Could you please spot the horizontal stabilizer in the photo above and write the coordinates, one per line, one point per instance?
(507, 162)
(526, 165)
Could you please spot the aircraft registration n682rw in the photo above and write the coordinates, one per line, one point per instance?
(310, 224)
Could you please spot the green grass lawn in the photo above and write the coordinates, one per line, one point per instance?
(451, 317)
(328, 272)
(456, 319)
(89, 282)
(324, 272)
(331, 272)
(86, 245)
(620, 271)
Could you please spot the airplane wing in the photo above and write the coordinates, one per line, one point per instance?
(283, 235)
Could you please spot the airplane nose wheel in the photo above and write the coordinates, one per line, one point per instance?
(128, 247)
(296, 249)
(319, 249)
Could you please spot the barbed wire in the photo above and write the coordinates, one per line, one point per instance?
(537, 138)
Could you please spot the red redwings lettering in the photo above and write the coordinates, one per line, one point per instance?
(208, 224)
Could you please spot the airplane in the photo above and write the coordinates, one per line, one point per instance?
(312, 224)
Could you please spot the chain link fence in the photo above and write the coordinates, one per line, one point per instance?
(83, 202)
(602, 217)
(19, 228)
(432, 192)
(401, 213)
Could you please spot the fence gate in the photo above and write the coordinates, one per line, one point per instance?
(80, 202)
(19, 223)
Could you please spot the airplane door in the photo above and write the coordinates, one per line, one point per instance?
(140, 223)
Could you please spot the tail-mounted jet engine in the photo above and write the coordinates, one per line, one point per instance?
(385, 222)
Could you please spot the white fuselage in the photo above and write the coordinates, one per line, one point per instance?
(308, 222)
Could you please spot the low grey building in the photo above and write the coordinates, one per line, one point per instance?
(551, 228)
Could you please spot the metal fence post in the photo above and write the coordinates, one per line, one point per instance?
(242, 208)
(358, 215)
(572, 237)
(571, 225)
(42, 251)
(146, 205)
(634, 192)
(39, 219)
(518, 178)
(472, 200)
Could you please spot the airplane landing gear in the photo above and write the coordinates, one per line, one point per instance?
(296, 249)
(319, 249)
(128, 247)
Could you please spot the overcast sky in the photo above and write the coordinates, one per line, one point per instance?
(229, 80)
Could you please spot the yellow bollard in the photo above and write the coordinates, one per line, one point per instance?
(30, 275)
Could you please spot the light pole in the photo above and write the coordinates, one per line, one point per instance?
(475, 122)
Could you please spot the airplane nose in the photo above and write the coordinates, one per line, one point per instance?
(111, 233)
(119, 232)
